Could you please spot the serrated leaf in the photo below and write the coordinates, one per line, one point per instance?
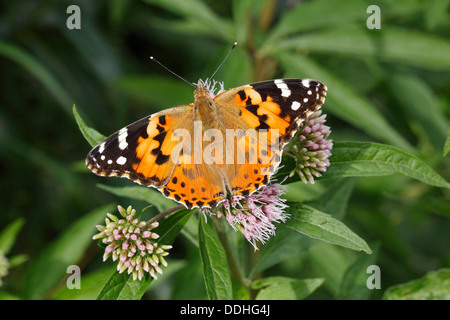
(214, 260)
(50, 267)
(149, 195)
(9, 234)
(322, 226)
(121, 286)
(91, 135)
(282, 288)
(434, 285)
(352, 159)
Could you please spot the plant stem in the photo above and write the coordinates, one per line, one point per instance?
(232, 264)
(165, 213)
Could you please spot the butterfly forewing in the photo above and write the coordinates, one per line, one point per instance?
(140, 151)
(275, 109)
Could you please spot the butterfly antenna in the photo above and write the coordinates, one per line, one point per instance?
(234, 45)
(153, 59)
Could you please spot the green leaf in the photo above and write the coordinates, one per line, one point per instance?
(322, 226)
(390, 44)
(285, 245)
(9, 234)
(121, 286)
(436, 13)
(8, 296)
(434, 285)
(243, 10)
(327, 14)
(90, 286)
(214, 260)
(353, 284)
(171, 226)
(39, 71)
(149, 195)
(195, 10)
(156, 90)
(91, 135)
(447, 144)
(318, 14)
(17, 260)
(282, 288)
(352, 159)
(343, 101)
(420, 103)
(335, 198)
(329, 262)
(56, 168)
(50, 267)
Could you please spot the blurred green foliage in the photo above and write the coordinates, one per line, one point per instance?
(389, 86)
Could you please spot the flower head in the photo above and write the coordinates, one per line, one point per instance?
(254, 215)
(311, 149)
(133, 243)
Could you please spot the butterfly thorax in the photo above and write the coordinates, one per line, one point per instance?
(205, 109)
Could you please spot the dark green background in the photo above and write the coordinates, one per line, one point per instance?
(401, 72)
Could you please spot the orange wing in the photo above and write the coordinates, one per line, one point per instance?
(150, 152)
(274, 109)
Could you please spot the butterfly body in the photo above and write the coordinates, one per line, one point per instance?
(229, 143)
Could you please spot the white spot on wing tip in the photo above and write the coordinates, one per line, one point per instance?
(122, 138)
(285, 92)
(101, 148)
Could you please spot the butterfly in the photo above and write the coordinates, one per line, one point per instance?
(188, 153)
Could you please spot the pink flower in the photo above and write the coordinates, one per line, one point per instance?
(312, 148)
(254, 215)
(132, 242)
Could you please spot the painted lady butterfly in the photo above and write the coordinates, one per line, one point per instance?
(150, 153)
